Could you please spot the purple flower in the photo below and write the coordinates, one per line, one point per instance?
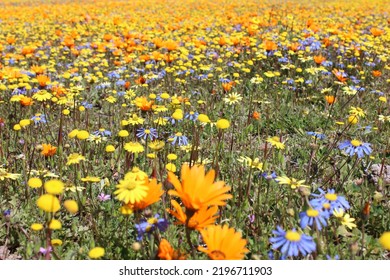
(44, 251)
(103, 197)
(355, 147)
(149, 225)
(291, 243)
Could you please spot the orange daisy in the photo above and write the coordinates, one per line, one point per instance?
(223, 243)
(166, 252)
(197, 190)
(48, 150)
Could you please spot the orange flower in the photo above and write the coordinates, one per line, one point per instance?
(143, 103)
(294, 46)
(330, 99)
(376, 32)
(48, 150)
(140, 81)
(153, 195)
(270, 46)
(228, 86)
(26, 101)
(166, 252)
(339, 75)
(376, 73)
(222, 41)
(37, 69)
(223, 243)
(171, 45)
(319, 59)
(199, 220)
(43, 80)
(256, 115)
(326, 42)
(197, 190)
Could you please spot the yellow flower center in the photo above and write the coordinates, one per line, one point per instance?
(293, 236)
(217, 255)
(147, 131)
(312, 213)
(179, 134)
(326, 205)
(152, 221)
(356, 143)
(331, 196)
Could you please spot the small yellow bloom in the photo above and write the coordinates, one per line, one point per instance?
(73, 133)
(123, 133)
(56, 242)
(55, 224)
(71, 206)
(48, 203)
(54, 186)
(82, 134)
(171, 167)
(223, 124)
(36, 227)
(34, 182)
(110, 149)
(384, 240)
(96, 253)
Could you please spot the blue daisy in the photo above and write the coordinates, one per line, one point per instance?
(292, 243)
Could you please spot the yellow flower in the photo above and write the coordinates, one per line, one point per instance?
(171, 167)
(123, 133)
(71, 206)
(82, 134)
(384, 240)
(110, 149)
(48, 203)
(34, 182)
(36, 227)
(73, 133)
(172, 156)
(203, 118)
(24, 122)
(55, 224)
(133, 188)
(156, 145)
(54, 186)
(134, 147)
(42, 95)
(56, 242)
(293, 183)
(96, 253)
(275, 142)
(223, 124)
(74, 158)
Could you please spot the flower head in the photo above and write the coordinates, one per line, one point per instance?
(292, 243)
(149, 225)
(329, 201)
(197, 189)
(292, 182)
(312, 217)
(356, 147)
(166, 251)
(275, 142)
(131, 189)
(223, 243)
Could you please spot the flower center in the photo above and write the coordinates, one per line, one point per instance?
(217, 255)
(179, 134)
(331, 196)
(312, 213)
(293, 236)
(326, 205)
(356, 143)
(152, 221)
(147, 131)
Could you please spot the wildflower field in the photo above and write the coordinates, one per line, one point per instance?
(194, 129)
